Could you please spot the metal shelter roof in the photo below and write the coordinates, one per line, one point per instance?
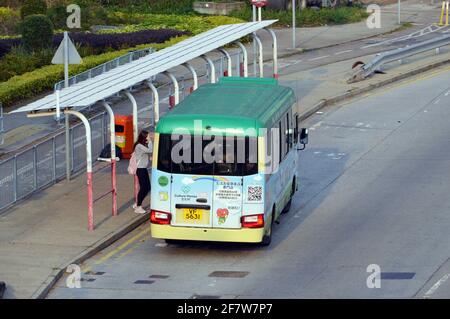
(101, 87)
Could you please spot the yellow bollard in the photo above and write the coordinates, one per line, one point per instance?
(444, 10)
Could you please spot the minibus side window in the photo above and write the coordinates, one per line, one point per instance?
(281, 136)
(296, 130)
(164, 150)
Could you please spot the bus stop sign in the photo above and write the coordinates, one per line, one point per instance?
(259, 3)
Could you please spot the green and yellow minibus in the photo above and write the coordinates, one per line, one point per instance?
(225, 162)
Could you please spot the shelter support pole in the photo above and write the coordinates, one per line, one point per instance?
(155, 101)
(176, 88)
(244, 71)
(211, 67)
(260, 55)
(135, 135)
(194, 76)
(88, 165)
(113, 157)
(229, 62)
(274, 53)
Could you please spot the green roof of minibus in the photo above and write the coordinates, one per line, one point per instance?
(229, 107)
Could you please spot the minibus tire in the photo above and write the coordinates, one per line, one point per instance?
(289, 203)
(267, 239)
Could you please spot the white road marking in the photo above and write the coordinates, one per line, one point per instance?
(433, 289)
(437, 101)
(342, 52)
(416, 34)
(161, 245)
(318, 58)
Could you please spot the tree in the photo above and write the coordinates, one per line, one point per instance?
(33, 7)
(37, 32)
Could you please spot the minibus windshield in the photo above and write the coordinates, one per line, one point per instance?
(208, 155)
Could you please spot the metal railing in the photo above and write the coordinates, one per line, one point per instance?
(2, 128)
(368, 69)
(105, 67)
(44, 164)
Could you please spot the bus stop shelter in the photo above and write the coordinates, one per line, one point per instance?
(72, 100)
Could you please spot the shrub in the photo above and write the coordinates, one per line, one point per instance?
(101, 43)
(33, 83)
(9, 20)
(31, 7)
(308, 17)
(37, 32)
(58, 15)
(193, 24)
(18, 62)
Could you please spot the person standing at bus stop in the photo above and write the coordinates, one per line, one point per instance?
(143, 149)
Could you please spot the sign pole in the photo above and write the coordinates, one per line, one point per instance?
(66, 54)
(254, 43)
(398, 13)
(293, 25)
(66, 118)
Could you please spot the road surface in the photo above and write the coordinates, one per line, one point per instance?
(374, 191)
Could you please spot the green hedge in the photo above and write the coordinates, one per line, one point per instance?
(195, 24)
(308, 17)
(31, 7)
(41, 80)
(37, 32)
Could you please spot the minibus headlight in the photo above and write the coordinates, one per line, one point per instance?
(161, 218)
(253, 221)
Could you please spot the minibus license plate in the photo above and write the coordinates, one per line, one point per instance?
(192, 214)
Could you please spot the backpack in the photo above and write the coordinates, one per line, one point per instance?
(132, 165)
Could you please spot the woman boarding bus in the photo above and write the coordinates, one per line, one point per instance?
(225, 162)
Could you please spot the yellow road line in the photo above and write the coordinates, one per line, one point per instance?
(120, 248)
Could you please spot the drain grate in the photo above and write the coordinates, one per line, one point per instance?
(397, 275)
(159, 276)
(204, 297)
(95, 273)
(144, 282)
(88, 279)
(229, 274)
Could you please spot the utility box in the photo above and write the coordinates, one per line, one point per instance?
(124, 134)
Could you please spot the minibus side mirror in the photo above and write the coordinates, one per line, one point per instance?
(303, 138)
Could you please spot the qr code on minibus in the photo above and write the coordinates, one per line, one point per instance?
(254, 193)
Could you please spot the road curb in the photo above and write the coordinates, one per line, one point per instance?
(356, 92)
(57, 273)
